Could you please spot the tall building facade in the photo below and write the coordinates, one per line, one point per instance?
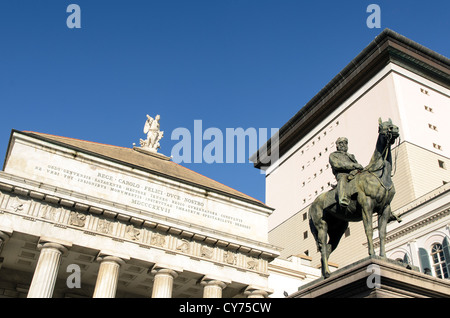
(393, 77)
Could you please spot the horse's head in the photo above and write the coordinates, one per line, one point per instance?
(388, 130)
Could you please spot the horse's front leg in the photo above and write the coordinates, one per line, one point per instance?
(322, 230)
(367, 210)
(382, 223)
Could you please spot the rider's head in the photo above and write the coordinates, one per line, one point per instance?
(342, 144)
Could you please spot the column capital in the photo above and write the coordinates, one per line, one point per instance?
(209, 280)
(213, 286)
(5, 234)
(48, 242)
(252, 291)
(104, 256)
(165, 269)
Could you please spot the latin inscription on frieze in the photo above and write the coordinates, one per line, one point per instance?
(146, 194)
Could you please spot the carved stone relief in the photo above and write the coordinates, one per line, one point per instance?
(252, 264)
(49, 212)
(77, 219)
(95, 224)
(207, 251)
(132, 233)
(158, 240)
(104, 226)
(16, 204)
(184, 246)
(229, 257)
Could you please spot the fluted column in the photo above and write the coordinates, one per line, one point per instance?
(44, 278)
(213, 287)
(108, 276)
(163, 281)
(4, 236)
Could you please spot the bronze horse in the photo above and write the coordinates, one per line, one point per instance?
(371, 192)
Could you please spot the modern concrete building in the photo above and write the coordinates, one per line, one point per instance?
(393, 77)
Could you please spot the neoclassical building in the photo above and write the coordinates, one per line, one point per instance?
(83, 219)
(393, 77)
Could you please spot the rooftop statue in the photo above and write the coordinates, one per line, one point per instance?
(154, 135)
(360, 193)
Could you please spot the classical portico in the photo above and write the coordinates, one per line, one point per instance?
(133, 223)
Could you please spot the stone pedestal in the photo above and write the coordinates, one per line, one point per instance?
(374, 277)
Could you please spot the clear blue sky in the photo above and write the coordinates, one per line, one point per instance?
(229, 63)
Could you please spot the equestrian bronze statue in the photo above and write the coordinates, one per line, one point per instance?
(368, 190)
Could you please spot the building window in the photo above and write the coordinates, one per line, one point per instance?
(424, 91)
(436, 146)
(441, 164)
(305, 235)
(439, 263)
(428, 108)
(305, 216)
(347, 232)
(432, 127)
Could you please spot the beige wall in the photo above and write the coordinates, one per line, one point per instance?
(413, 93)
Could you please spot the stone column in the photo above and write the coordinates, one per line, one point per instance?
(163, 280)
(46, 272)
(257, 292)
(212, 286)
(413, 251)
(108, 276)
(4, 236)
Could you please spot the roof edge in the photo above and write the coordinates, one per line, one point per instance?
(378, 47)
(249, 200)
